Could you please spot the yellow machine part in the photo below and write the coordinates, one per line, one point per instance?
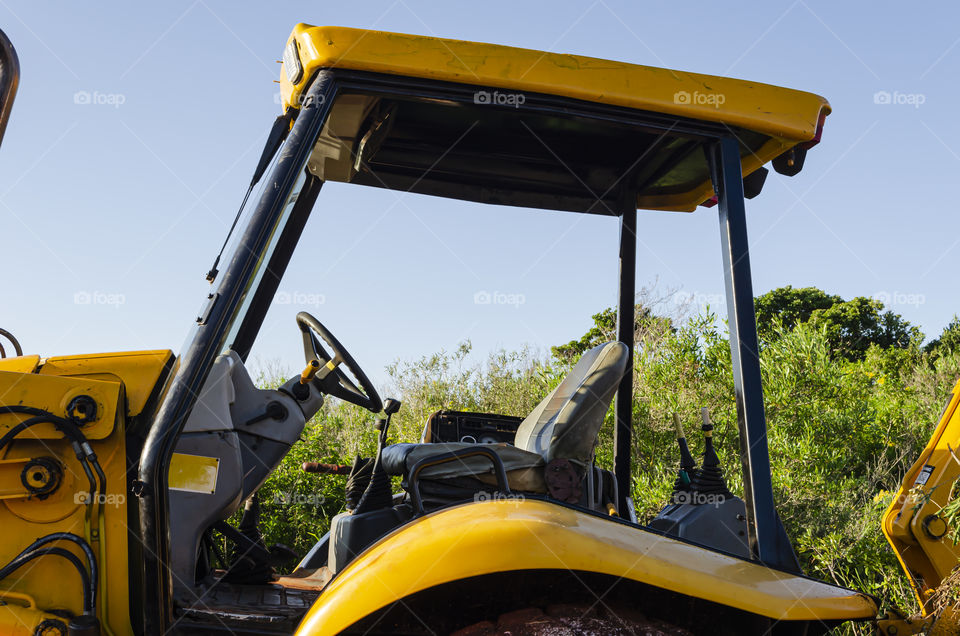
(454, 544)
(137, 370)
(786, 116)
(913, 524)
(120, 384)
(19, 616)
(22, 364)
(54, 393)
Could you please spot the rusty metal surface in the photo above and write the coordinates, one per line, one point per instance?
(571, 620)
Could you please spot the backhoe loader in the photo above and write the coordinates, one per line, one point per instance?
(118, 469)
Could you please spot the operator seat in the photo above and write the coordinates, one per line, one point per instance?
(565, 425)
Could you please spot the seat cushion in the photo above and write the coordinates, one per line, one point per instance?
(524, 469)
(566, 424)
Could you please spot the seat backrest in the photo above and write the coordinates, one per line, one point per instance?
(566, 424)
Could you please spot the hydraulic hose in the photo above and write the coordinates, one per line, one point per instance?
(81, 447)
(79, 541)
(87, 458)
(3, 332)
(65, 426)
(89, 609)
(22, 426)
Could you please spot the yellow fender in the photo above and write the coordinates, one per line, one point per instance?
(455, 543)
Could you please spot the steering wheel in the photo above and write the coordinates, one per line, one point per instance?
(330, 379)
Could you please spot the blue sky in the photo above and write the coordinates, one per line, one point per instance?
(135, 132)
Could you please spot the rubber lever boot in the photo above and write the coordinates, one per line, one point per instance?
(688, 467)
(378, 494)
(358, 481)
(709, 480)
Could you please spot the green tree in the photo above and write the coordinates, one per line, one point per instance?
(948, 342)
(851, 326)
(604, 329)
(790, 307)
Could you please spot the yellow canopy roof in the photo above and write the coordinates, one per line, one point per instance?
(785, 117)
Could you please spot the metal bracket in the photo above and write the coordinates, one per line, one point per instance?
(29, 477)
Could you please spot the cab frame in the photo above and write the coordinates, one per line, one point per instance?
(273, 230)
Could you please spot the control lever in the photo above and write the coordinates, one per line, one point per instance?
(709, 480)
(301, 389)
(274, 411)
(378, 495)
(307, 374)
(688, 467)
(326, 469)
(390, 406)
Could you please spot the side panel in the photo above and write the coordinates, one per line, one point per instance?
(119, 384)
(137, 370)
(51, 582)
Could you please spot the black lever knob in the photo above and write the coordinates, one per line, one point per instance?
(391, 406)
(274, 411)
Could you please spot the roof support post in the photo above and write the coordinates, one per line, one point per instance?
(623, 409)
(196, 360)
(768, 540)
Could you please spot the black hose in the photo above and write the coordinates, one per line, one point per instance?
(94, 490)
(20, 427)
(89, 608)
(87, 551)
(66, 427)
(103, 478)
(30, 410)
(80, 444)
(9, 336)
(86, 457)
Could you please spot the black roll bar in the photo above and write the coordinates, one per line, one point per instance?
(9, 80)
(767, 538)
(195, 362)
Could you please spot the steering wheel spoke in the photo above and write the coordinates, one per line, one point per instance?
(347, 384)
(331, 378)
(329, 366)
